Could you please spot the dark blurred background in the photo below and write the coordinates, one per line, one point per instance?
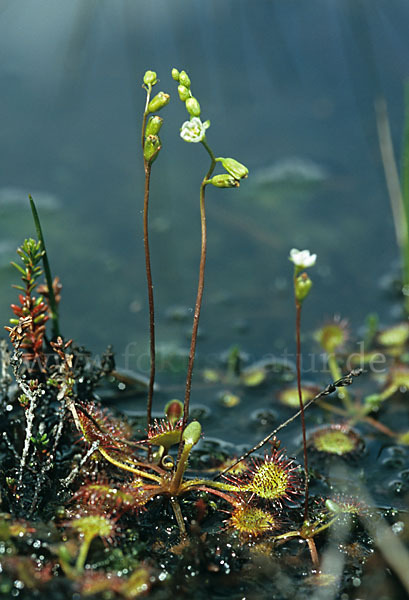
(289, 88)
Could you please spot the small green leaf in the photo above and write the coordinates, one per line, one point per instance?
(16, 266)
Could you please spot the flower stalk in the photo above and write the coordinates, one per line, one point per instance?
(302, 286)
(200, 286)
(194, 131)
(298, 366)
(151, 147)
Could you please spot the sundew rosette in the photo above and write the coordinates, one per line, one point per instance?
(251, 521)
(336, 440)
(274, 478)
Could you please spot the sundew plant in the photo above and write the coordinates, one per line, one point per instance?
(97, 505)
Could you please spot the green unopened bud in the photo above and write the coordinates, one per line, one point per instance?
(184, 79)
(174, 411)
(153, 126)
(224, 181)
(158, 102)
(184, 93)
(193, 107)
(303, 285)
(192, 433)
(151, 148)
(332, 506)
(175, 74)
(236, 169)
(150, 78)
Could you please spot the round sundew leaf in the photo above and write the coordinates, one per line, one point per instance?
(404, 438)
(272, 478)
(211, 376)
(289, 396)
(93, 525)
(250, 521)
(331, 336)
(166, 438)
(337, 440)
(334, 442)
(253, 377)
(397, 335)
(229, 400)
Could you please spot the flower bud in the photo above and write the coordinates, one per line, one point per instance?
(150, 78)
(184, 79)
(158, 102)
(332, 506)
(151, 148)
(193, 107)
(303, 286)
(153, 126)
(175, 74)
(184, 93)
(224, 181)
(236, 169)
(174, 411)
(192, 433)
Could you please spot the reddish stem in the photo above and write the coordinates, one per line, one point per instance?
(147, 169)
(304, 437)
(313, 553)
(226, 497)
(198, 305)
(199, 296)
(150, 293)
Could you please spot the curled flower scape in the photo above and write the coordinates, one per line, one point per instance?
(194, 130)
(302, 258)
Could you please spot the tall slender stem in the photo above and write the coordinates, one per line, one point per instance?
(304, 437)
(199, 297)
(47, 272)
(150, 293)
(200, 289)
(147, 169)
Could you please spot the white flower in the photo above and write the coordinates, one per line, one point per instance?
(302, 258)
(194, 130)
